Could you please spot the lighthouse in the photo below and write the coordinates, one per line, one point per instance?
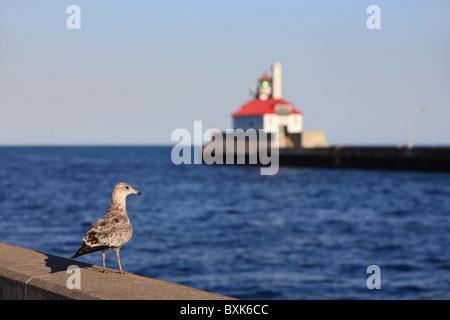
(268, 110)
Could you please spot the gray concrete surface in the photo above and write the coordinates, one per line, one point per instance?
(26, 274)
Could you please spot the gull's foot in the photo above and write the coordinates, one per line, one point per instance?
(125, 272)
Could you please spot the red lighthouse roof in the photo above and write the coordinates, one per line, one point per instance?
(259, 107)
(265, 77)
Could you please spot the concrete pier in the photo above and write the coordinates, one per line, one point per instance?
(26, 274)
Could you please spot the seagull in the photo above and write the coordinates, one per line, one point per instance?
(111, 231)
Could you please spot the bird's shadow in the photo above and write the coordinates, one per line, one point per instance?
(58, 264)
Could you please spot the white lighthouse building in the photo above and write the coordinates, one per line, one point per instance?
(268, 110)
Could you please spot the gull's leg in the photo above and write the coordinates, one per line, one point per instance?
(103, 257)
(118, 260)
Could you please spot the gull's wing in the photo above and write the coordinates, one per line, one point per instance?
(110, 231)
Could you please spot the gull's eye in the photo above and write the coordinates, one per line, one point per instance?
(127, 187)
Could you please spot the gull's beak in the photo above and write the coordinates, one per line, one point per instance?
(137, 192)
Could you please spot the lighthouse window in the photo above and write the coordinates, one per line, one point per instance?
(265, 84)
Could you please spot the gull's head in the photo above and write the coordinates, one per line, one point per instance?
(122, 190)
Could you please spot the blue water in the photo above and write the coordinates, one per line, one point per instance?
(301, 234)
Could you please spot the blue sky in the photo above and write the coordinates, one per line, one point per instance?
(137, 70)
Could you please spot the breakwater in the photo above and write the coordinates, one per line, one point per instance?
(429, 159)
